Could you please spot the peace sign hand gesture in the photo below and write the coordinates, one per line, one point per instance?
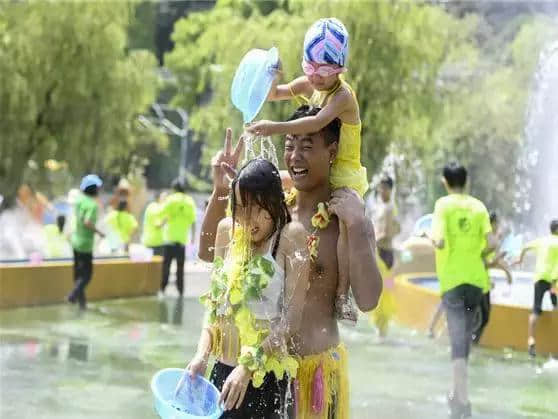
(224, 163)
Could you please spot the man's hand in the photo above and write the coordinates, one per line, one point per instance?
(224, 163)
(348, 206)
(263, 128)
(234, 388)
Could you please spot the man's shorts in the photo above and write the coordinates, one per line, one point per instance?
(461, 303)
(541, 287)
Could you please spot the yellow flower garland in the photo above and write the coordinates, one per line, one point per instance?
(320, 220)
(239, 279)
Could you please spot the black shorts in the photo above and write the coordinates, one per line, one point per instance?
(461, 303)
(268, 401)
(541, 287)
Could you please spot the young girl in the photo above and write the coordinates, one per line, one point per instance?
(257, 293)
(326, 46)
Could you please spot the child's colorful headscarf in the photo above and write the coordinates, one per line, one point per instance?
(327, 42)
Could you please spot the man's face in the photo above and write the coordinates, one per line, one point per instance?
(308, 160)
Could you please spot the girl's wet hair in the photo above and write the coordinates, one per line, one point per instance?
(259, 183)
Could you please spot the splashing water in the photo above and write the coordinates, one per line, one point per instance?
(537, 200)
(259, 147)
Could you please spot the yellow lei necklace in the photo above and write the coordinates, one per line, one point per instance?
(241, 278)
(320, 220)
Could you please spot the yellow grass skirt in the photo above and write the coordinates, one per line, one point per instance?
(330, 368)
(386, 309)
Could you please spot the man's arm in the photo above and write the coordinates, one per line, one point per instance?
(224, 165)
(364, 275)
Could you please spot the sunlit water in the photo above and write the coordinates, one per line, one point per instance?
(519, 294)
(56, 363)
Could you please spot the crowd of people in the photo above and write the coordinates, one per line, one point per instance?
(168, 225)
(288, 265)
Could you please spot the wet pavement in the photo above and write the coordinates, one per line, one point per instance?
(59, 363)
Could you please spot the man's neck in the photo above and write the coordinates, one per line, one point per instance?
(309, 200)
(455, 191)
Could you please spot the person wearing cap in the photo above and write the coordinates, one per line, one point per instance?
(178, 215)
(86, 209)
(326, 49)
(546, 276)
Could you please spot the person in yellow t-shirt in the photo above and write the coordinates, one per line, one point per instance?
(178, 216)
(122, 224)
(57, 244)
(152, 235)
(460, 229)
(546, 276)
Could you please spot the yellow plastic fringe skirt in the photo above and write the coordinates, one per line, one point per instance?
(387, 307)
(327, 371)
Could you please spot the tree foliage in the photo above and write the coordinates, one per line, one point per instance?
(432, 86)
(70, 89)
(396, 52)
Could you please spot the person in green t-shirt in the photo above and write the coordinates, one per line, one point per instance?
(152, 235)
(178, 215)
(460, 229)
(122, 224)
(546, 276)
(85, 212)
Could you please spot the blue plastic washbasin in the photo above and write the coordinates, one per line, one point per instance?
(197, 398)
(252, 81)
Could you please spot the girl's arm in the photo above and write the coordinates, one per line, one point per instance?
(340, 103)
(223, 237)
(297, 87)
(293, 251)
(198, 365)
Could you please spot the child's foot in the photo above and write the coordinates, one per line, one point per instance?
(345, 310)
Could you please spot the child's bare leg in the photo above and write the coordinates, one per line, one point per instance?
(343, 303)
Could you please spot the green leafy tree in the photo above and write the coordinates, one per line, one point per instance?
(396, 52)
(70, 89)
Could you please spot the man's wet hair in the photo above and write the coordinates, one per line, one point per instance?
(387, 181)
(177, 185)
(331, 131)
(455, 175)
(554, 226)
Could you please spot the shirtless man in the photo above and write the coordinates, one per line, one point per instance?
(308, 159)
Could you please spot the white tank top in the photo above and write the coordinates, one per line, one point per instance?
(269, 305)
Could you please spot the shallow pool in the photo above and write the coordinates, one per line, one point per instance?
(520, 293)
(56, 363)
